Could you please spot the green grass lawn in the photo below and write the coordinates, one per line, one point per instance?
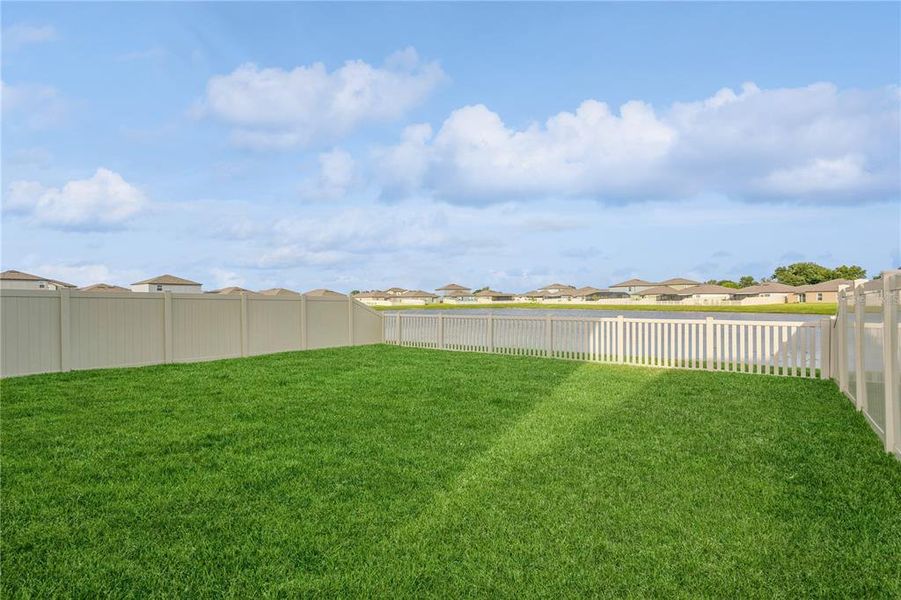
(797, 309)
(398, 472)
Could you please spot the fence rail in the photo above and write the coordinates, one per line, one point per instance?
(787, 348)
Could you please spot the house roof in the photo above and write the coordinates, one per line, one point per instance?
(13, 275)
(558, 286)
(824, 286)
(631, 282)
(167, 280)
(659, 290)
(418, 294)
(104, 287)
(452, 287)
(587, 291)
(678, 281)
(395, 289)
(535, 294)
(707, 288)
(231, 290)
(322, 292)
(764, 288)
(374, 294)
(278, 292)
(489, 293)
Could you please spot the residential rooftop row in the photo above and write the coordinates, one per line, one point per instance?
(19, 280)
(676, 290)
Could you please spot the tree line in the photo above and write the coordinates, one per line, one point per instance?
(800, 273)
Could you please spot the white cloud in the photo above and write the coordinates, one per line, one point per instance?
(36, 106)
(99, 202)
(21, 34)
(272, 108)
(819, 175)
(336, 177)
(813, 142)
(225, 278)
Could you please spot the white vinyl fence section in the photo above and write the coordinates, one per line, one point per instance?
(788, 348)
(867, 357)
(44, 331)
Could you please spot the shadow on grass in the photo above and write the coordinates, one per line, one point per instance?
(641, 482)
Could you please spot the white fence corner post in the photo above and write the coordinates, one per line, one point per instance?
(245, 342)
(841, 326)
(889, 358)
(708, 343)
(490, 333)
(303, 323)
(441, 331)
(65, 331)
(350, 320)
(168, 342)
(825, 348)
(620, 339)
(860, 393)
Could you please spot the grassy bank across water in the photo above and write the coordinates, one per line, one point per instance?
(380, 471)
(796, 309)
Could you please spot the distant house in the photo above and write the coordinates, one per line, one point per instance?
(395, 291)
(533, 296)
(231, 291)
(415, 297)
(593, 294)
(827, 291)
(167, 283)
(631, 286)
(19, 280)
(104, 287)
(489, 295)
(679, 283)
(707, 293)
(557, 289)
(323, 293)
(373, 298)
(454, 294)
(772, 292)
(659, 293)
(280, 292)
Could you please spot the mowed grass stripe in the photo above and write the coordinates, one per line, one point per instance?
(386, 471)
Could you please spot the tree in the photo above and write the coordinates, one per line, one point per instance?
(480, 289)
(728, 283)
(746, 281)
(802, 273)
(851, 272)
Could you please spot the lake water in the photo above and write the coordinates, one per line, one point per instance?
(599, 314)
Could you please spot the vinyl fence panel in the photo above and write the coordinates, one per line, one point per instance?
(43, 331)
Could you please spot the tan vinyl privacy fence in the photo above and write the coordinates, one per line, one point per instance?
(787, 348)
(867, 355)
(43, 331)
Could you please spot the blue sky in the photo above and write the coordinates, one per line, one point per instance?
(359, 146)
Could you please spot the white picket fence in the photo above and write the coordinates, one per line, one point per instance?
(867, 354)
(787, 348)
